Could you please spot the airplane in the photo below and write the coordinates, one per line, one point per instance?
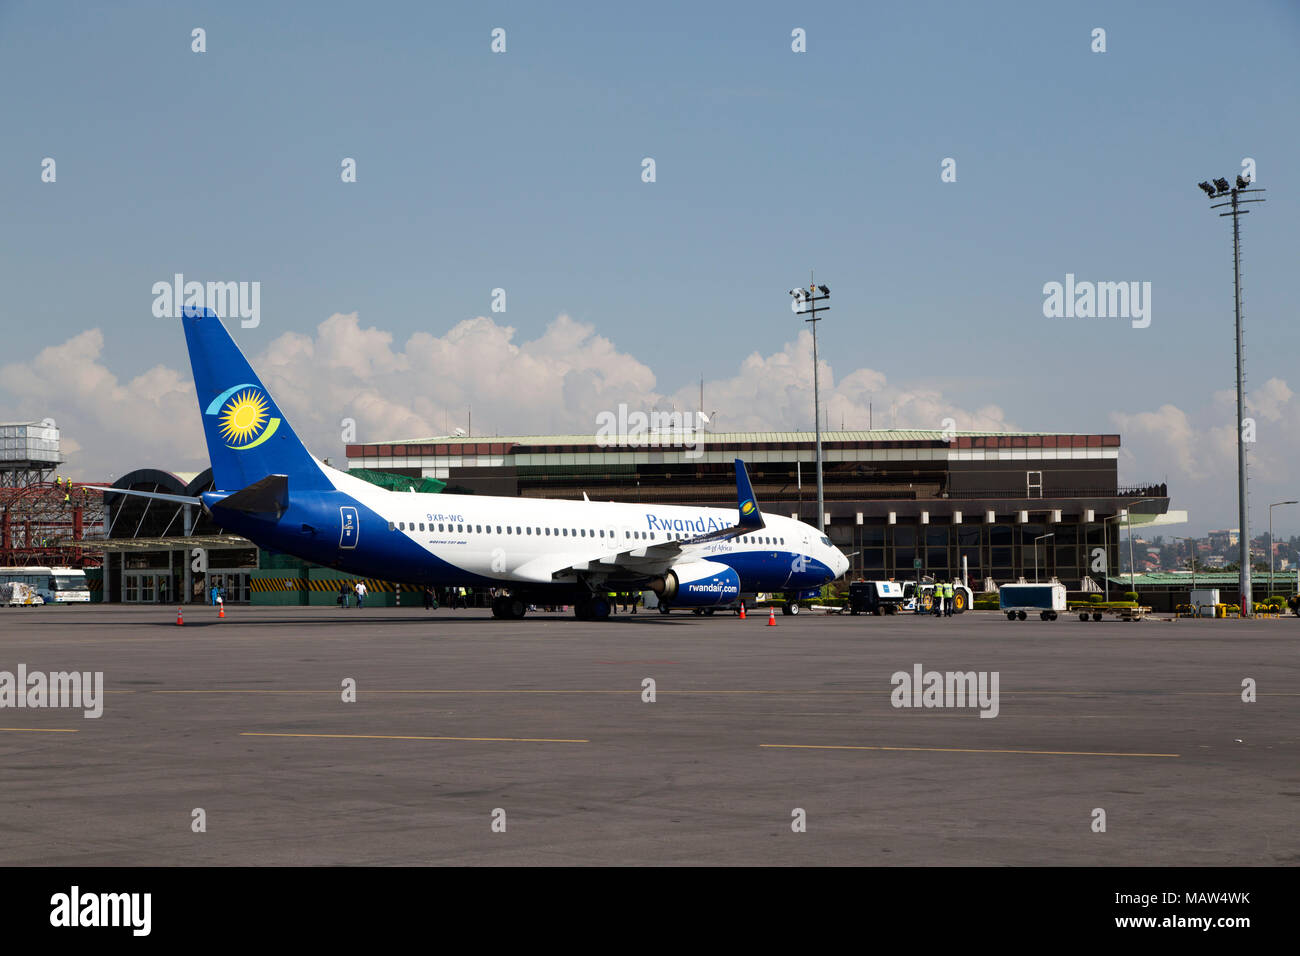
(275, 493)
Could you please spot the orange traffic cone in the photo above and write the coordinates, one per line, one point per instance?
(222, 611)
(771, 617)
(180, 618)
(742, 610)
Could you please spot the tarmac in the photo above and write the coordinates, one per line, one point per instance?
(473, 741)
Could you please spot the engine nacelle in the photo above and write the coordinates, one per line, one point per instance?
(698, 584)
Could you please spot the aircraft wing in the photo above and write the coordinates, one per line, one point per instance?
(649, 558)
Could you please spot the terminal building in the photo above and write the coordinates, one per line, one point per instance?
(993, 506)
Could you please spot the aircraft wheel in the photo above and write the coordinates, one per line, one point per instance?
(1083, 616)
(1011, 615)
(708, 612)
(516, 609)
(599, 609)
(1096, 615)
(1020, 615)
(1042, 616)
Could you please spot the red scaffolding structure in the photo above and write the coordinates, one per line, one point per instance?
(43, 523)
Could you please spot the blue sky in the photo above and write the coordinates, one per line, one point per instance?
(522, 171)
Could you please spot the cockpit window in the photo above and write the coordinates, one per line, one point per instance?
(826, 541)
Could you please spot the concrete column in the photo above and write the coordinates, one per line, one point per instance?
(189, 573)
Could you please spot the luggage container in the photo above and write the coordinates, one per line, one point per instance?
(1018, 601)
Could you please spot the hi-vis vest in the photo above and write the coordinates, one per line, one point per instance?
(947, 590)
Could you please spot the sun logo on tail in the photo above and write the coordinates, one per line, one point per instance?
(243, 417)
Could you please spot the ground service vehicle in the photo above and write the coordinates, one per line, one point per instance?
(963, 598)
(17, 594)
(54, 585)
(1018, 601)
(875, 597)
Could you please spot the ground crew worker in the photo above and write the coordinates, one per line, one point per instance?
(612, 598)
(947, 599)
(361, 593)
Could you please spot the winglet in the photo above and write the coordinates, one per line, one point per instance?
(751, 518)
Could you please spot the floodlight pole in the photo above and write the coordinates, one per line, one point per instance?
(1243, 514)
(1192, 547)
(812, 311)
(1036, 540)
(1270, 541)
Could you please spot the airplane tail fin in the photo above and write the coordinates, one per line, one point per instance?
(248, 436)
(750, 517)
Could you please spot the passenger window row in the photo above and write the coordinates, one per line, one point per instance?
(501, 530)
(560, 532)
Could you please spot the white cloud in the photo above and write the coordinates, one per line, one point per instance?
(1197, 452)
(557, 382)
(109, 425)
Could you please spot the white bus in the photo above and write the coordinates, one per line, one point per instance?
(54, 585)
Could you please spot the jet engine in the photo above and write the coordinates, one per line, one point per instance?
(697, 584)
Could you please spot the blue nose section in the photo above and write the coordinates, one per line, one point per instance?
(811, 573)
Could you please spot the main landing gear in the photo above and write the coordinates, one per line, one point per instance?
(591, 609)
(508, 608)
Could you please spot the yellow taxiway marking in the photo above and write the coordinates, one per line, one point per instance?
(517, 740)
(966, 750)
(37, 730)
(866, 692)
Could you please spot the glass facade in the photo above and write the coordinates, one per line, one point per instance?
(1004, 551)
